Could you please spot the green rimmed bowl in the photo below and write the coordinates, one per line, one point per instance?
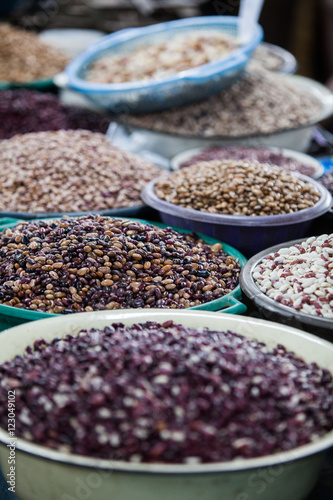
(229, 303)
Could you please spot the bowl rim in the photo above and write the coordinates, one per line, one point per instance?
(149, 196)
(188, 153)
(236, 58)
(315, 88)
(262, 300)
(301, 452)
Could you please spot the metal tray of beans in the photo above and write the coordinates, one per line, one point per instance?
(289, 285)
(229, 303)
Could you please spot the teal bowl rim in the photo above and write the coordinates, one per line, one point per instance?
(33, 84)
(222, 304)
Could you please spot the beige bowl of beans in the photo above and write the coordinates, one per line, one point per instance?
(261, 109)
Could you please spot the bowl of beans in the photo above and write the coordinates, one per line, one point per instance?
(50, 173)
(327, 180)
(163, 65)
(94, 262)
(293, 283)
(250, 204)
(290, 160)
(26, 61)
(260, 109)
(134, 404)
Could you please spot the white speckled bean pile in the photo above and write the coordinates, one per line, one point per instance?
(300, 276)
(163, 58)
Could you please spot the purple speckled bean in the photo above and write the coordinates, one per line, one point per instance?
(23, 111)
(166, 393)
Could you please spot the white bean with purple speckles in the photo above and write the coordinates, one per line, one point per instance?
(300, 276)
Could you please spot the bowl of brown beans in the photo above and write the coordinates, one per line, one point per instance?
(274, 58)
(249, 204)
(293, 283)
(141, 404)
(94, 262)
(26, 61)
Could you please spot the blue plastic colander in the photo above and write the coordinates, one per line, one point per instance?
(175, 90)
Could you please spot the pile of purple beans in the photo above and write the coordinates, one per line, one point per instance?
(92, 263)
(165, 393)
(23, 111)
(262, 155)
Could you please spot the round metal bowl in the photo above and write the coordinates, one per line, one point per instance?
(275, 311)
(303, 158)
(290, 474)
(297, 138)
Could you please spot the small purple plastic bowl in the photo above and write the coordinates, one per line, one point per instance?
(249, 234)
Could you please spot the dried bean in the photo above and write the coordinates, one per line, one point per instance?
(262, 155)
(300, 276)
(80, 282)
(166, 393)
(211, 187)
(264, 57)
(49, 114)
(24, 57)
(163, 58)
(327, 181)
(259, 103)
